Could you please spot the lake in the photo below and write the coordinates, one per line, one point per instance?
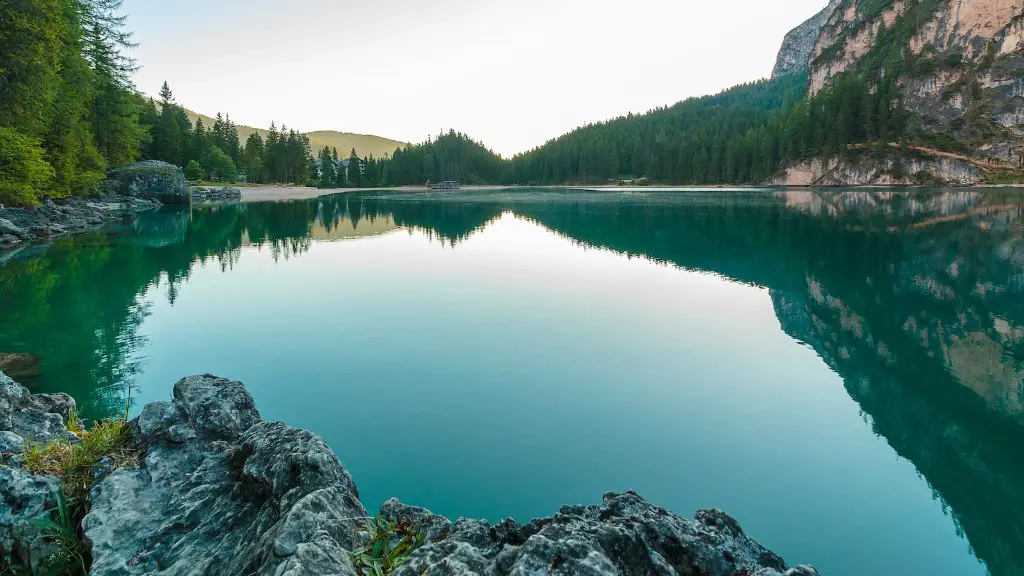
(840, 371)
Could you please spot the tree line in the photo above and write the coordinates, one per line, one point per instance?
(216, 153)
(68, 109)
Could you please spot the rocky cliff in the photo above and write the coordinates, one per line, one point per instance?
(795, 54)
(959, 67)
(219, 491)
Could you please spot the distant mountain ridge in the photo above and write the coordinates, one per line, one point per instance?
(365, 144)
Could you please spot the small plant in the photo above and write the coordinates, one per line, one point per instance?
(73, 463)
(70, 556)
(377, 557)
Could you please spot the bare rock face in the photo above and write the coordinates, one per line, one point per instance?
(880, 172)
(966, 62)
(36, 417)
(25, 497)
(220, 492)
(624, 535)
(795, 54)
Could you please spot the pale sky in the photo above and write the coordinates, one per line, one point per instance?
(510, 73)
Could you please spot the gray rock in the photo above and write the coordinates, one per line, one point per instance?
(151, 179)
(623, 535)
(38, 417)
(8, 227)
(225, 194)
(24, 497)
(222, 492)
(11, 443)
(798, 46)
(218, 407)
(420, 519)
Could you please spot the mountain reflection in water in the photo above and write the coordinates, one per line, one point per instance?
(913, 297)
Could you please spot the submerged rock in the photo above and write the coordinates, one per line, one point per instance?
(19, 365)
(151, 179)
(222, 492)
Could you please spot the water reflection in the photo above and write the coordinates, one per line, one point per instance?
(914, 298)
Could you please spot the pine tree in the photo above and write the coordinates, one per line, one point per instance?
(354, 174)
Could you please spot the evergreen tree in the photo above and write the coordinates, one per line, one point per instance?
(354, 173)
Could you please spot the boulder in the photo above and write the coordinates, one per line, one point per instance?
(36, 417)
(25, 498)
(151, 179)
(19, 365)
(623, 535)
(8, 227)
(222, 492)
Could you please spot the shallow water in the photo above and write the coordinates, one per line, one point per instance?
(840, 371)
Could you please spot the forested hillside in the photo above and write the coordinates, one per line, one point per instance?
(67, 107)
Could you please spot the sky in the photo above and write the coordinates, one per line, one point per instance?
(509, 73)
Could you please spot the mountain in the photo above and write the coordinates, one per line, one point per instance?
(795, 54)
(956, 71)
(365, 144)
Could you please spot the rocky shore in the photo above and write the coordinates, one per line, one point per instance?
(215, 194)
(130, 189)
(68, 216)
(220, 491)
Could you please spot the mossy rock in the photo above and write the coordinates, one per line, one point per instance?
(151, 179)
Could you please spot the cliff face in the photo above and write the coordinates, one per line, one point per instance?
(795, 54)
(961, 84)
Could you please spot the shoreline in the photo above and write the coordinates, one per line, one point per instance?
(284, 193)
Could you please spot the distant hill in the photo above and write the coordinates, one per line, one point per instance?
(365, 144)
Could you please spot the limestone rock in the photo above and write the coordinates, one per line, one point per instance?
(222, 492)
(623, 535)
(38, 417)
(151, 179)
(24, 497)
(795, 54)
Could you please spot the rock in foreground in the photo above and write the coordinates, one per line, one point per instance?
(222, 492)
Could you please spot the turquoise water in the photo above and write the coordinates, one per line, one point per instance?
(842, 372)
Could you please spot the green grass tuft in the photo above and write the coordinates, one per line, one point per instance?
(386, 546)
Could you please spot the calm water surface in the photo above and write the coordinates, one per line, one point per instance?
(840, 371)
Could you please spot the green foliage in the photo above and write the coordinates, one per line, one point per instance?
(24, 172)
(451, 156)
(194, 171)
(739, 135)
(219, 165)
(70, 556)
(354, 173)
(386, 546)
(64, 82)
(73, 462)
